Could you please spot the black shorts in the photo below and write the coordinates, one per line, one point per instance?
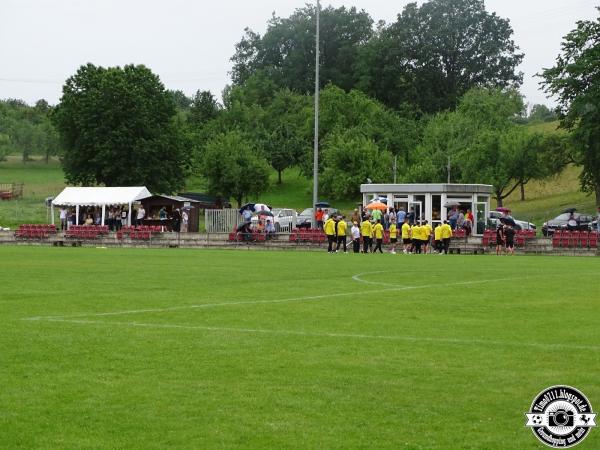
(393, 240)
(424, 241)
(406, 241)
(510, 244)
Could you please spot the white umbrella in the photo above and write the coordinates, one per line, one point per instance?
(261, 207)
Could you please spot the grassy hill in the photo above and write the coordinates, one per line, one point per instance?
(544, 199)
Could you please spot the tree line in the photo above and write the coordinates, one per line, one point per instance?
(431, 97)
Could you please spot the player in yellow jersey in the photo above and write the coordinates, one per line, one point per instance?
(405, 229)
(446, 235)
(366, 231)
(341, 234)
(393, 237)
(378, 232)
(437, 238)
(426, 231)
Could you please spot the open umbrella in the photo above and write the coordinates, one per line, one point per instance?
(508, 221)
(451, 203)
(377, 205)
(503, 210)
(247, 206)
(322, 205)
(261, 207)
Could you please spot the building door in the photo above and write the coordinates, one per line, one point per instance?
(481, 214)
(418, 208)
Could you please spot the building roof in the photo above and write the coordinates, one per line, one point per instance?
(424, 188)
(98, 196)
(177, 198)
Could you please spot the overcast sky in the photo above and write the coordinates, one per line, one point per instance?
(188, 43)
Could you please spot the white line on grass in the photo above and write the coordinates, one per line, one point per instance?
(283, 300)
(334, 335)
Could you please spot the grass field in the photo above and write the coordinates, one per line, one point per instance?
(140, 348)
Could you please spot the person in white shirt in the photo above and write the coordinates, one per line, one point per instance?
(184, 221)
(355, 232)
(63, 218)
(141, 213)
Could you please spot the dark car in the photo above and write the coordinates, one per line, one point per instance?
(560, 223)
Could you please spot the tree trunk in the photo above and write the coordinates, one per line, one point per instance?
(522, 191)
(499, 198)
(597, 193)
(279, 176)
(239, 201)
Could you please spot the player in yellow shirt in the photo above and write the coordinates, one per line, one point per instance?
(426, 231)
(393, 237)
(446, 235)
(341, 234)
(366, 231)
(378, 232)
(416, 238)
(329, 228)
(405, 229)
(437, 237)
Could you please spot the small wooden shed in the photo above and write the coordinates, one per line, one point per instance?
(153, 205)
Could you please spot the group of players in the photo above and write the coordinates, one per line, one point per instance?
(415, 238)
(505, 239)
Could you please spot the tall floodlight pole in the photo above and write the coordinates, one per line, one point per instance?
(316, 144)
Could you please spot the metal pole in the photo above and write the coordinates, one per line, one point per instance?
(395, 167)
(316, 143)
(448, 169)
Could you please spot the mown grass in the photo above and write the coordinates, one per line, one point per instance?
(447, 352)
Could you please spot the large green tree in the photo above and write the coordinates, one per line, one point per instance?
(350, 158)
(434, 53)
(286, 52)
(575, 81)
(118, 127)
(233, 167)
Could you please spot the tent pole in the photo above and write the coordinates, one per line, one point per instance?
(129, 215)
(76, 214)
(103, 214)
(52, 213)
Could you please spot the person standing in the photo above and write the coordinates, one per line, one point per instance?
(63, 218)
(393, 237)
(411, 216)
(319, 218)
(437, 236)
(378, 232)
(417, 238)
(329, 227)
(509, 235)
(406, 235)
(426, 232)
(177, 220)
(355, 232)
(355, 216)
(393, 217)
(400, 216)
(185, 218)
(123, 217)
(446, 236)
(141, 214)
(499, 238)
(376, 215)
(341, 234)
(366, 230)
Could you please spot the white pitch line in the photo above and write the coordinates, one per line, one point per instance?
(334, 335)
(258, 302)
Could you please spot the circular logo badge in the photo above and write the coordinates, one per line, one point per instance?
(560, 416)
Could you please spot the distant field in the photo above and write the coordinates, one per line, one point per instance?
(148, 349)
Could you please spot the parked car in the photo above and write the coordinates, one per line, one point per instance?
(282, 218)
(494, 216)
(594, 226)
(304, 219)
(584, 222)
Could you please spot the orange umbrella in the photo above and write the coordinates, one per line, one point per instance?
(377, 205)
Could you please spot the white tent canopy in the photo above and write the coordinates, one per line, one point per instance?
(100, 196)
